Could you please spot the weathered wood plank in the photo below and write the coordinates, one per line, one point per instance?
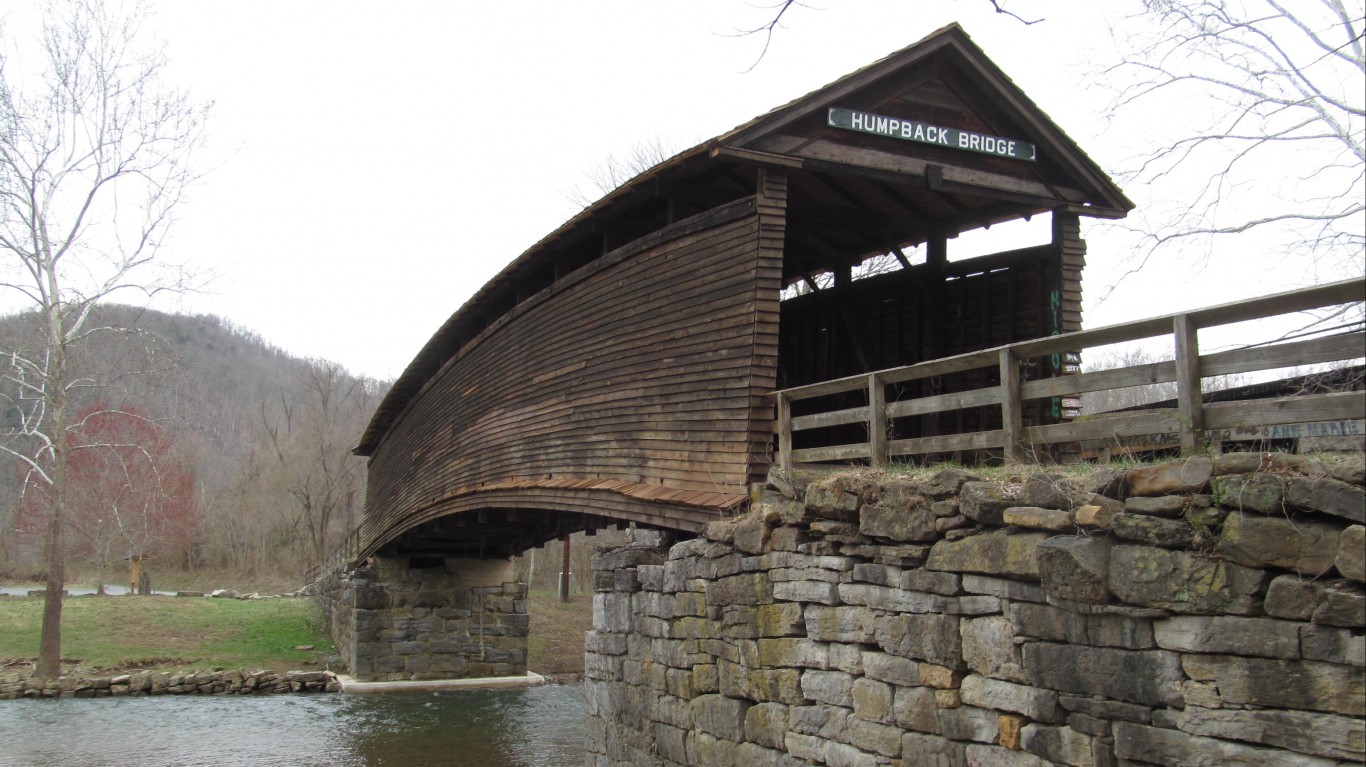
(1189, 405)
(977, 440)
(831, 418)
(836, 157)
(1308, 352)
(1101, 380)
(1301, 409)
(942, 402)
(827, 454)
(1113, 425)
(877, 421)
(784, 427)
(1011, 415)
(762, 159)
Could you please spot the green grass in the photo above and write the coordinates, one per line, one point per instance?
(100, 634)
(557, 628)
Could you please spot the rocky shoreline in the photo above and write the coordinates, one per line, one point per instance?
(228, 682)
(133, 683)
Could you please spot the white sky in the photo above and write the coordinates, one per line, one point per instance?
(377, 162)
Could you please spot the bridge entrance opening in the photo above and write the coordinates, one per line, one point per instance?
(856, 311)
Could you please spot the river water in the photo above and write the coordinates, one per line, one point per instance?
(526, 727)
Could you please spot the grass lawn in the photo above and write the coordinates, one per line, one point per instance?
(101, 634)
(557, 628)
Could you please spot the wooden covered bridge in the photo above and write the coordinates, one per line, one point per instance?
(622, 370)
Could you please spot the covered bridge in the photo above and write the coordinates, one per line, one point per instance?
(620, 370)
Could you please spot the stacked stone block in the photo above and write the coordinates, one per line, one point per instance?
(1198, 612)
(392, 622)
(231, 682)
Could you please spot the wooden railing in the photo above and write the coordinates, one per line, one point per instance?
(1189, 420)
(342, 557)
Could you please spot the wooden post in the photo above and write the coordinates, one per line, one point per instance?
(1189, 396)
(784, 432)
(877, 422)
(934, 322)
(1011, 421)
(564, 569)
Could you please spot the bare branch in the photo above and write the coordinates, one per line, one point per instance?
(997, 5)
(1272, 99)
(779, 9)
(767, 30)
(615, 170)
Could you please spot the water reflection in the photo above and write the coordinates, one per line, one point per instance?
(532, 727)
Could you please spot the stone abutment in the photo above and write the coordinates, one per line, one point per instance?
(1198, 612)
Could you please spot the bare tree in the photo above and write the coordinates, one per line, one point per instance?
(1271, 96)
(311, 441)
(94, 159)
(877, 264)
(773, 15)
(614, 170)
(1128, 356)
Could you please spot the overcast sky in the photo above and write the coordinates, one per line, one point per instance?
(376, 162)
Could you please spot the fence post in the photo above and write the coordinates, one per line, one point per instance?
(1189, 395)
(877, 422)
(1011, 421)
(784, 431)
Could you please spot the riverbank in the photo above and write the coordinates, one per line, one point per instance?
(178, 645)
(111, 636)
(221, 682)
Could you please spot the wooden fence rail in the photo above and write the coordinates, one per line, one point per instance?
(341, 557)
(1189, 420)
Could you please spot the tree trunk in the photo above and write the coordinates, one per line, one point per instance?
(50, 643)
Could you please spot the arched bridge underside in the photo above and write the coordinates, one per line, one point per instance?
(504, 519)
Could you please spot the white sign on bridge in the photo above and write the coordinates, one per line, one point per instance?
(924, 133)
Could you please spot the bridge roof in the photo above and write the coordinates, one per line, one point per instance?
(853, 194)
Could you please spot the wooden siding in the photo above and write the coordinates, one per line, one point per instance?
(651, 365)
(1067, 233)
(771, 204)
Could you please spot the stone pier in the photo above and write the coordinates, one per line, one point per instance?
(412, 618)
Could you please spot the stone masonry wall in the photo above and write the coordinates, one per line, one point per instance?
(1199, 612)
(465, 618)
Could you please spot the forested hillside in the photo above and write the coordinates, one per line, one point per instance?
(202, 447)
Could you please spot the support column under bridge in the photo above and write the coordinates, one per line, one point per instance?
(417, 618)
(440, 596)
